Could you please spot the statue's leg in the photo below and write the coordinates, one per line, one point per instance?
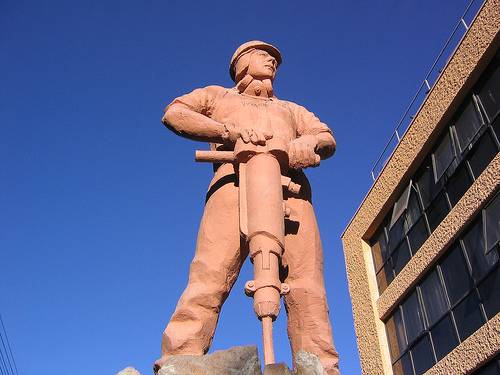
(212, 273)
(309, 326)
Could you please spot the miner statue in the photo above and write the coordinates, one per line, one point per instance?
(258, 205)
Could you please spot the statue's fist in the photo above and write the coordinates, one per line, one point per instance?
(257, 137)
(301, 152)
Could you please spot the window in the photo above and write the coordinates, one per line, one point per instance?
(396, 334)
(444, 156)
(490, 93)
(458, 184)
(496, 127)
(484, 152)
(396, 233)
(491, 219)
(412, 317)
(468, 124)
(468, 316)
(473, 240)
(379, 251)
(423, 359)
(437, 211)
(426, 185)
(490, 295)
(455, 274)
(385, 276)
(401, 256)
(400, 205)
(403, 366)
(444, 337)
(434, 298)
(413, 211)
(417, 235)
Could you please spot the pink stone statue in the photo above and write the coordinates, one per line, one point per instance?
(258, 205)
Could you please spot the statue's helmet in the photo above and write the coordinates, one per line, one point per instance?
(247, 47)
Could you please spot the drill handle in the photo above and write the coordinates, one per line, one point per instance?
(214, 156)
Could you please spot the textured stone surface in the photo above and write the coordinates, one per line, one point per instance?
(307, 364)
(240, 360)
(277, 369)
(129, 371)
(462, 71)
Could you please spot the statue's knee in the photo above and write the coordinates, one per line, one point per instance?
(307, 289)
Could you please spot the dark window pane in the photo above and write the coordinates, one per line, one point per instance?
(412, 317)
(473, 241)
(385, 276)
(444, 156)
(434, 297)
(417, 235)
(458, 184)
(413, 212)
(396, 335)
(491, 219)
(400, 205)
(396, 234)
(491, 368)
(455, 274)
(484, 151)
(403, 366)
(437, 211)
(496, 127)
(444, 337)
(468, 316)
(426, 184)
(423, 359)
(490, 293)
(490, 94)
(400, 257)
(379, 251)
(468, 124)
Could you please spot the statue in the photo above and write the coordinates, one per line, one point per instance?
(259, 144)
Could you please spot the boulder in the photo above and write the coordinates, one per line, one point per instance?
(129, 371)
(239, 360)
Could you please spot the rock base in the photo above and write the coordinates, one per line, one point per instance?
(239, 360)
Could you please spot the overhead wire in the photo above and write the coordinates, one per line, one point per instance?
(3, 368)
(6, 358)
(8, 345)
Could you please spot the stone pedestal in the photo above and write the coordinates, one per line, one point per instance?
(239, 360)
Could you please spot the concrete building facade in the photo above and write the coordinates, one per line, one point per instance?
(422, 251)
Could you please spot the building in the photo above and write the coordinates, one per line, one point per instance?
(422, 250)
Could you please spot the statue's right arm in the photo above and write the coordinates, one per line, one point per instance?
(193, 125)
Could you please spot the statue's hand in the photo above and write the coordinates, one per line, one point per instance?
(301, 152)
(257, 137)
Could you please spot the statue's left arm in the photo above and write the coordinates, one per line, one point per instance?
(313, 137)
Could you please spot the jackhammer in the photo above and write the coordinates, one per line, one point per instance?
(262, 212)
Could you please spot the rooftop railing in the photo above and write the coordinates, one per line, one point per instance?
(459, 30)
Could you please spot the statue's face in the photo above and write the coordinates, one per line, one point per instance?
(262, 65)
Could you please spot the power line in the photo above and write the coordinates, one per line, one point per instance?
(3, 368)
(9, 352)
(5, 357)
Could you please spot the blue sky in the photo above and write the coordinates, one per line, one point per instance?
(100, 204)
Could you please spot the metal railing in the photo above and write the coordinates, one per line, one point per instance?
(425, 87)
